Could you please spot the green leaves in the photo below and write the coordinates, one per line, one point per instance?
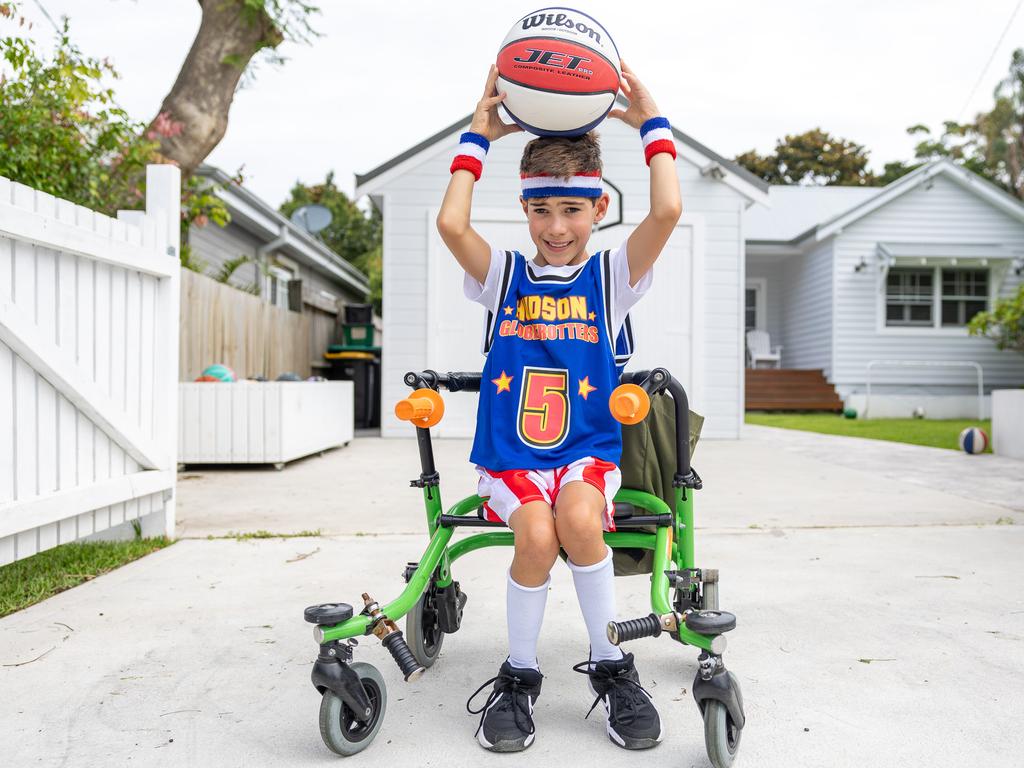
(61, 130)
(352, 234)
(1004, 324)
(814, 157)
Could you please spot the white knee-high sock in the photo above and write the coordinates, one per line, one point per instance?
(525, 612)
(595, 589)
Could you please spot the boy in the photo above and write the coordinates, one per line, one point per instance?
(546, 445)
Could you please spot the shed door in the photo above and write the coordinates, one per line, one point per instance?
(662, 320)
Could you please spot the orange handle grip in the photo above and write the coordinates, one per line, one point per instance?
(423, 408)
(413, 408)
(629, 404)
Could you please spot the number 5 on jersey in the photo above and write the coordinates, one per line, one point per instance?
(543, 419)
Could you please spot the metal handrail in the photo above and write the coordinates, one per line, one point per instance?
(929, 364)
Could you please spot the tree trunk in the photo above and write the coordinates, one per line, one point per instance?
(194, 115)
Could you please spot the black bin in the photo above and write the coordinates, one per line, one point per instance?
(358, 314)
(363, 370)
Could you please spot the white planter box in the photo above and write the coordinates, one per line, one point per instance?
(1008, 423)
(248, 422)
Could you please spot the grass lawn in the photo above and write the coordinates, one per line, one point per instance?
(934, 433)
(26, 582)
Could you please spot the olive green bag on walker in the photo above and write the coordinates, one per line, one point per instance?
(649, 464)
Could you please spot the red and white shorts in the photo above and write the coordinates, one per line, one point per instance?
(510, 489)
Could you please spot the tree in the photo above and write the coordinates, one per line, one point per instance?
(815, 158)
(63, 133)
(61, 130)
(194, 115)
(352, 234)
(991, 145)
(1004, 323)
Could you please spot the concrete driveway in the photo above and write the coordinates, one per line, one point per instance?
(881, 620)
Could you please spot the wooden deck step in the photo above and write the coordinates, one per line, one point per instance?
(790, 389)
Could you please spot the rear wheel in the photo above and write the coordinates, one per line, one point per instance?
(339, 728)
(422, 633)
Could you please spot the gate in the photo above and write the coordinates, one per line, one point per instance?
(88, 366)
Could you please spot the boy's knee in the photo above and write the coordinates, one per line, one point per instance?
(578, 523)
(538, 543)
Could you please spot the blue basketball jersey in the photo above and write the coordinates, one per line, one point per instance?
(551, 366)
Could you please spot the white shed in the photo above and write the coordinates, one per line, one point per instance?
(880, 283)
(690, 322)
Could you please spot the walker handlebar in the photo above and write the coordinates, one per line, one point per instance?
(652, 382)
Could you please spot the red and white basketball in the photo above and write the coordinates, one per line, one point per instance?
(560, 69)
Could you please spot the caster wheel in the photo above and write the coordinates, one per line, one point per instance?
(709, 601)
(721, 736)
(340, 730)
(421, 631)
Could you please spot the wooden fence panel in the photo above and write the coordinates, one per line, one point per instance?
(220, 324)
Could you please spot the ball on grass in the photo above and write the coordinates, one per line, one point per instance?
(973, 440)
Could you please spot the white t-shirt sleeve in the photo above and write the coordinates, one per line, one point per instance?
(486, 293)
(624, 295)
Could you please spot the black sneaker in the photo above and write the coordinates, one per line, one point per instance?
(506, 718)
(631, 719)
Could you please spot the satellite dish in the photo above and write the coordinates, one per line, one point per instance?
(312, 218)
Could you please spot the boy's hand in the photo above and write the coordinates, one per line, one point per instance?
(641, 106)
(485, 120)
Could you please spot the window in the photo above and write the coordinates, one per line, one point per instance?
(934, 297)
(909, 297)
(964, 294)
(277, 279)
(750, 309)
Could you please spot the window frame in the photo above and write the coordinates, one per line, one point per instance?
(935, 327)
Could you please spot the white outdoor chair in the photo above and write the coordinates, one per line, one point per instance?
(759, 349)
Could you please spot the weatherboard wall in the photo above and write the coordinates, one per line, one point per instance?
(940, 211)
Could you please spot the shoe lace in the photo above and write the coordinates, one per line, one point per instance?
(506, 684)
(632, 697)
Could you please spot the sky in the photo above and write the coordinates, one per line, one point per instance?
(733, 74)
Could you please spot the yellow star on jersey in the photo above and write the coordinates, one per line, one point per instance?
(592, 316)
(585, 388)
(503, 383)
(508, 310)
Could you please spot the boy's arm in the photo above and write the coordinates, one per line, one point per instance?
(645, 244)
(471, 251)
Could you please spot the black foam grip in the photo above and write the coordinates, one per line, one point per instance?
(400, 652)
(634, 629)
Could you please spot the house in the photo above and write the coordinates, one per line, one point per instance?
(878, 284)
(690, 322)
(287, 266)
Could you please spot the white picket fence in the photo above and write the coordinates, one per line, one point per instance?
(88, 366)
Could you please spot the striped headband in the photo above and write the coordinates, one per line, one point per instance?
(577, 185)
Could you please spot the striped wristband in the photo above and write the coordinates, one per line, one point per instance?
(656, 134)
(470, 154)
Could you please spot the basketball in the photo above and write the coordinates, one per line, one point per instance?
(560, 69)
(973, 440)
(217, 372)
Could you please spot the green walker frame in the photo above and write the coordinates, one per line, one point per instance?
(683, 598)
